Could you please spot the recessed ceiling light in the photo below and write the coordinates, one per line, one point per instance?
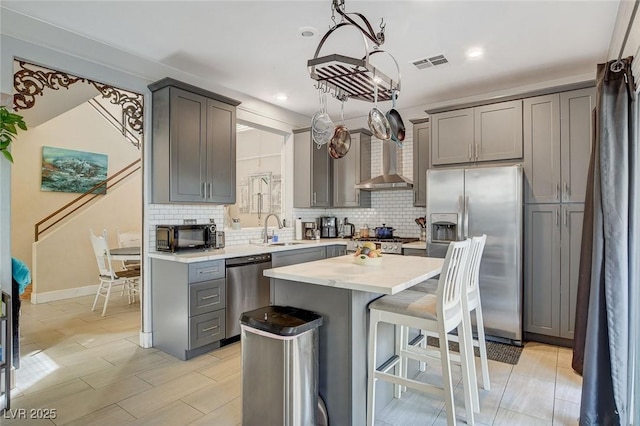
(281, 97)
(475, 53)
(307, 31)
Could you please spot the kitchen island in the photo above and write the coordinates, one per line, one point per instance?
(340, 291)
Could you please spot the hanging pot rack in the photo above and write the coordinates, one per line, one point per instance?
(348, 77)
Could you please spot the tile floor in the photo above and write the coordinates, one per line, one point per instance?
(91, 370)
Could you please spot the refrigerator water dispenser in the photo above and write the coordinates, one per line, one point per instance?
(444, 227)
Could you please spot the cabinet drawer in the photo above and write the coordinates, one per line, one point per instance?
(206, 328)
(206, 271)
(207, 296)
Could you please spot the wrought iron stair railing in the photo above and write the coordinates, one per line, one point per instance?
(119, 124)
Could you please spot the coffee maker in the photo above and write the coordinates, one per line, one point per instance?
(328, 227)
(309, 230)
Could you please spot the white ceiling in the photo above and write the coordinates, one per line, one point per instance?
(254, 47)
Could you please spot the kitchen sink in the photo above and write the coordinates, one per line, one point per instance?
(290, 243)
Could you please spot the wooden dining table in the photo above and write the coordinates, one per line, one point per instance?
(125, 253)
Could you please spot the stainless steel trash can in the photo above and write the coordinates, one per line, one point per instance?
(279, 366)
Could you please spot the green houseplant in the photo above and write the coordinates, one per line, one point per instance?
(9, 125)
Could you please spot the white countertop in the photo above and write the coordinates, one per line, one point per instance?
(396, 273)
(243, 250)
(422, 245)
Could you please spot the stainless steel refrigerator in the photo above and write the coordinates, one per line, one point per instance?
(462, 203)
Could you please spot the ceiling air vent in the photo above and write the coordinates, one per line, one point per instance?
(430, 62)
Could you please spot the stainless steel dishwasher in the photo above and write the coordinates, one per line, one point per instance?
(247, 288)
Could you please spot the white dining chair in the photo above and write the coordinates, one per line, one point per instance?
(108, 276)
(439, 313)
(471, 303)
(129, 239)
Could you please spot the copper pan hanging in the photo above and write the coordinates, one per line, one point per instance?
(341, 140)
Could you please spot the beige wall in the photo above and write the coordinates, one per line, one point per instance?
(80, 129)
(64, 260)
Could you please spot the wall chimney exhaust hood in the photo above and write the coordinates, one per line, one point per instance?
(390, 179)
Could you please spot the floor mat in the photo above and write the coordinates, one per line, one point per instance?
(500, 352)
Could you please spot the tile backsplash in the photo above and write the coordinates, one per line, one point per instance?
(392, 208)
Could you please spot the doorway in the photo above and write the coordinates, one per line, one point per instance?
(78, 130)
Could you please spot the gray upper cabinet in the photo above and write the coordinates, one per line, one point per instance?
(221, 152)
(542, 149)
(421, 149)
(553, 235)
(486, 133)
(452, 137)
(498, 131)
(576, 136)
(194, 145)
(558, 140)
(311, 171)
(352, 169)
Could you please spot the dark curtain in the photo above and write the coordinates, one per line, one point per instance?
(608, 268)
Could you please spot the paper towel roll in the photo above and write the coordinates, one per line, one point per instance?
(298, 231)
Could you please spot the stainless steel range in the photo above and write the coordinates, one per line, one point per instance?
(388, 245)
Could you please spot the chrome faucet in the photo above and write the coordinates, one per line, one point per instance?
(266, 220)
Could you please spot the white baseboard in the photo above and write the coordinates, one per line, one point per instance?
(70, 293)
(145, 339)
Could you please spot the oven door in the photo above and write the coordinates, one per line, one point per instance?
(353, 245)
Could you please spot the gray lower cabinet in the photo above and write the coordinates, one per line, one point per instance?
(293, 257)
(558, 133)
(485, 133)
(415, 252)
(421, 158)
(553, 233)
(193, 145)
(335, 251)
(188, 302)
(352, 169)
(311, 171)
(571, 237)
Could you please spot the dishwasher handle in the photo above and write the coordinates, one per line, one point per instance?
(248, 260)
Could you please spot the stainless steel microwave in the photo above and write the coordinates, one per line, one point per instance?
(173, 238)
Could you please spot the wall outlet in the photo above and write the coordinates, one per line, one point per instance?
(189, 222)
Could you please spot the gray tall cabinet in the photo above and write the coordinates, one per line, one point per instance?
(557, 147)
(194, 145)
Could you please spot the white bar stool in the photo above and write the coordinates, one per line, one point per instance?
(470, 302)
(440, 314)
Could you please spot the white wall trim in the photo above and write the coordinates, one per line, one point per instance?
(146, 340)
(70, 293)
(620, 28)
